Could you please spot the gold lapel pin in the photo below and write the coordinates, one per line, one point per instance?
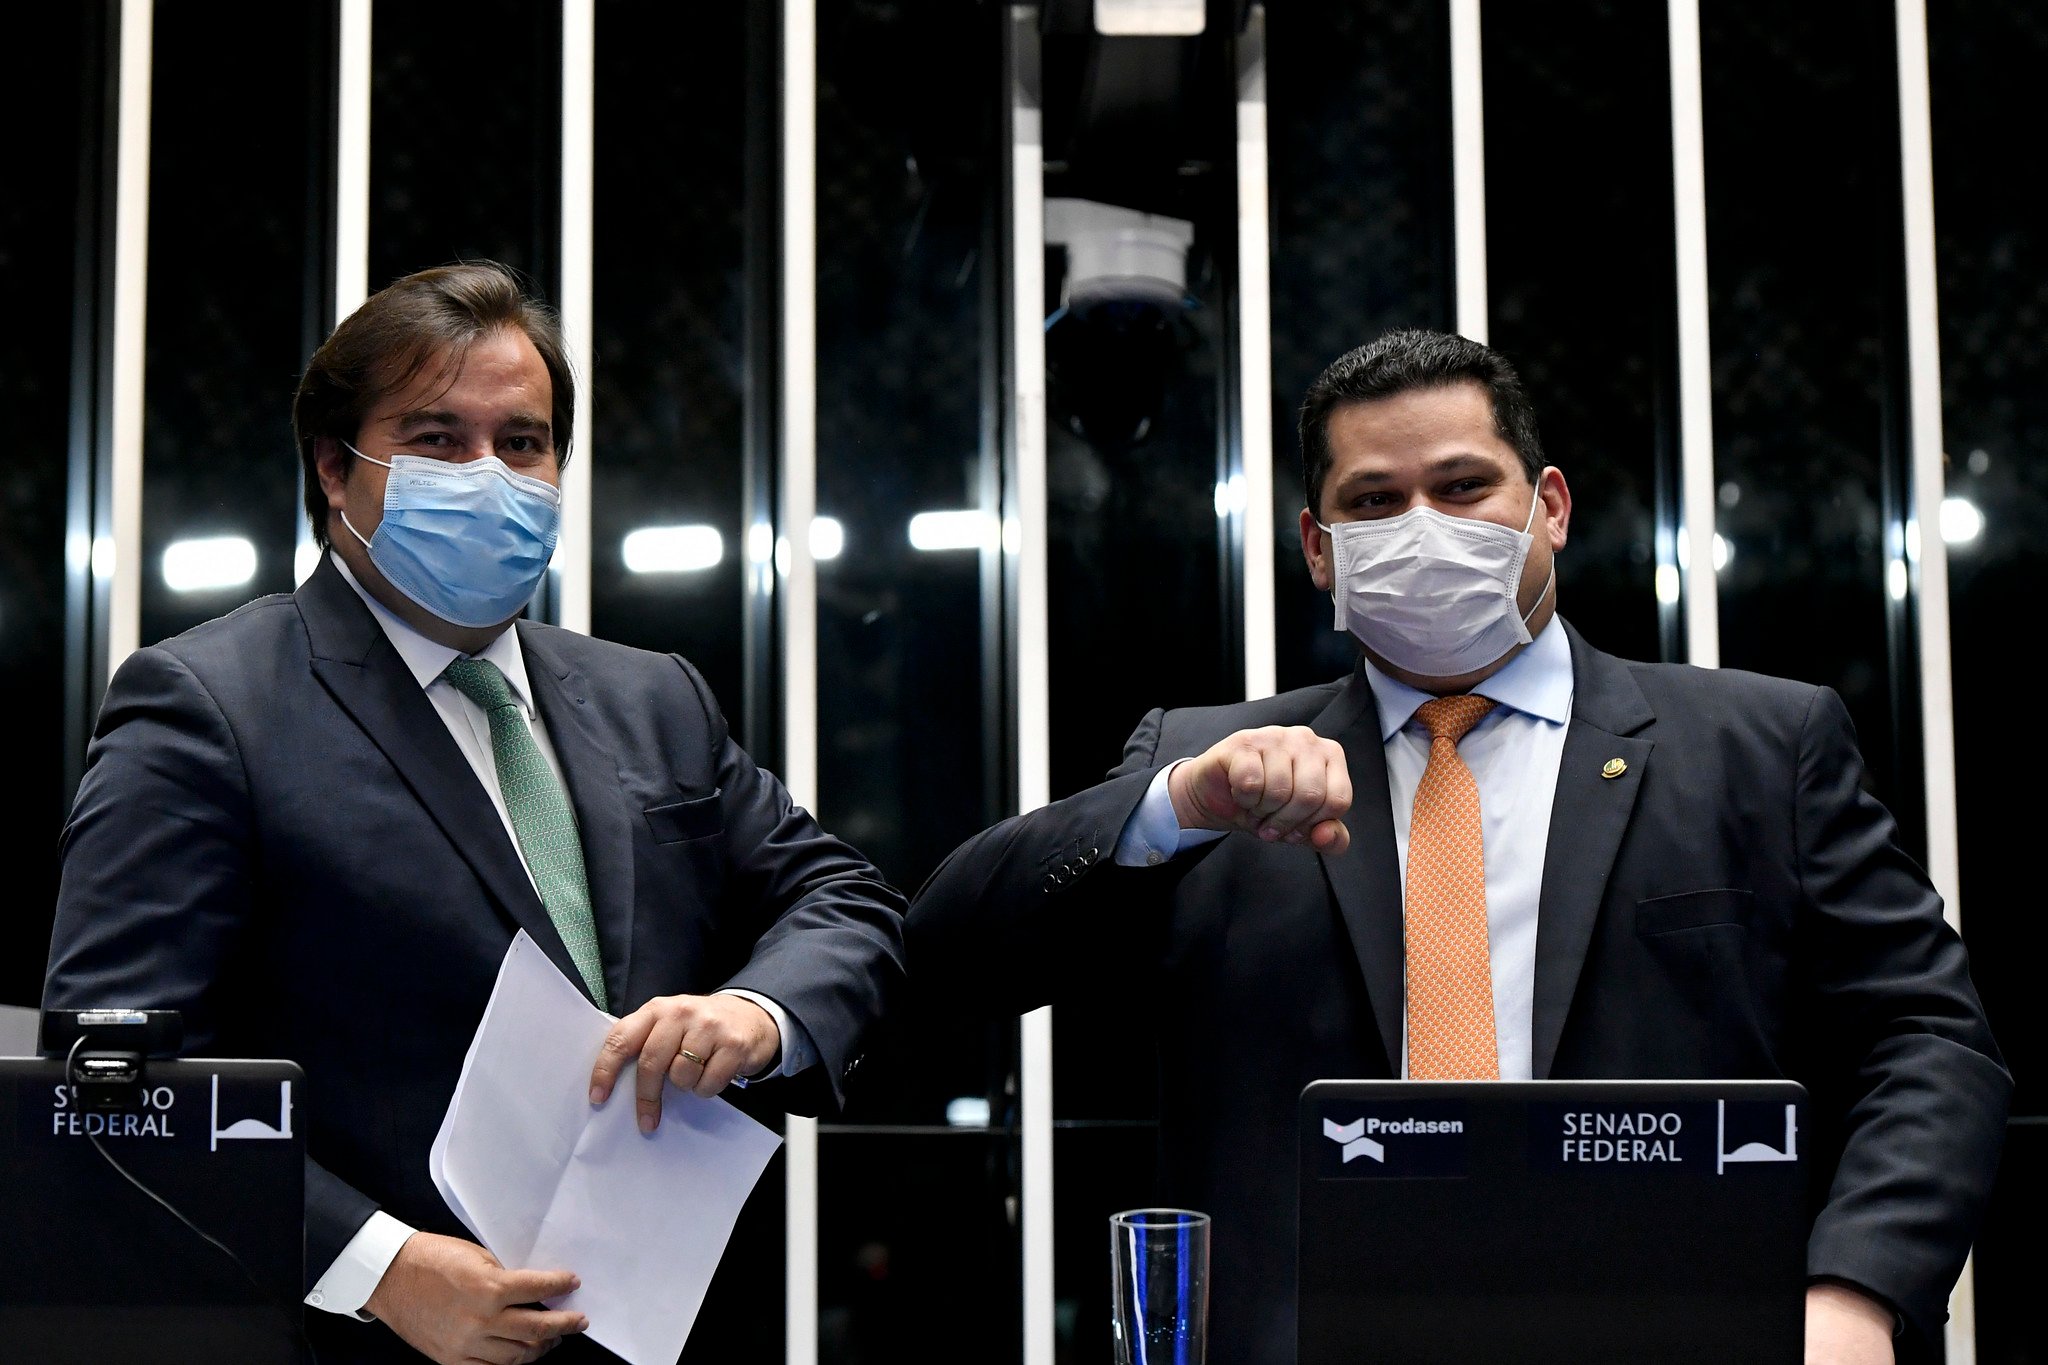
(1614, 767)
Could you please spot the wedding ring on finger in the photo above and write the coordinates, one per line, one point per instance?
(689, 1056)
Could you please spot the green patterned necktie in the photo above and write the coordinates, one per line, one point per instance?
(541, 815)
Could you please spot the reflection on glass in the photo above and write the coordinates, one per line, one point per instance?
(917, 1256)
(1992, 267)
(38, 239)
(1359, 111)
(1804, 269)
(209, 564)
(465, 138)
(1581, 300)
(668, 392)
(227, 312)
(1103, 1168)
(1144, 611)
(672, 549)
(908, 98)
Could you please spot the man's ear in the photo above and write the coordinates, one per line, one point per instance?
(1315, 549)
(1556, 497)
(332, 461)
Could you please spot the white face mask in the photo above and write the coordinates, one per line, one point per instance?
(1430, 593)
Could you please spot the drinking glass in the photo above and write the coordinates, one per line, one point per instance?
(1159, 1290)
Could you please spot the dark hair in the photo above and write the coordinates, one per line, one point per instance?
(435, 315)
(1402, 362)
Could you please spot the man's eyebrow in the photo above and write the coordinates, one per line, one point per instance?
(1464, 460)
(1458, 462)
(421, 417)
(442, 417)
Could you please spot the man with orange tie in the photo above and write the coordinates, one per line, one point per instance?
(1495, 852)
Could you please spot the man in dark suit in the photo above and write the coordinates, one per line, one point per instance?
(314, 826)
(1494, 851)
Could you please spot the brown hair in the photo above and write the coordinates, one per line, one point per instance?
(433, 316)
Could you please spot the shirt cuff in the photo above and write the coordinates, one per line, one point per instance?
(360, 1268)
(798, 1051)
(1153, 833)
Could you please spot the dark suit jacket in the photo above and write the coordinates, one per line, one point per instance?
(277, 836)
(1734, 905)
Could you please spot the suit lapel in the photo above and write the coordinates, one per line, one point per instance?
(1366, 880)
(1588, 817)
(357, 665)
(590, 768)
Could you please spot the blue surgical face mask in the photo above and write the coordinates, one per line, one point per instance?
(468, 542)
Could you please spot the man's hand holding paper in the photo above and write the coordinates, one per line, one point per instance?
(544, 1178)
(453, 1303)
(700, 1042)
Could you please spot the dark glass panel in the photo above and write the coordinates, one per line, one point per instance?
(48, 93)
(1104, 1168)
(232, 246)
(918, 1253)
(1993, 273)
(1579, 266)
(668, 384)
(465, 136)
(1804, 269)
(1358, 135)
(908, 109)
(742, 1316)
(1144, 611)
(2009, 1251)
(1992, 269)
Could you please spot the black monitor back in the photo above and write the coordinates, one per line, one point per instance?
(91, 1270)
(1552, 1221)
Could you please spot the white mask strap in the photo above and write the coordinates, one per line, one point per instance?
(1534, 499)
(371, 458)
(352, 527)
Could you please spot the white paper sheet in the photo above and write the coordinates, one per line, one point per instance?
(547, 1182)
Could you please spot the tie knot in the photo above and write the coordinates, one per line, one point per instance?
(480, 681)
(1450, 717)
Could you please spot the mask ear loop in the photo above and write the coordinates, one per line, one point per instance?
(1551, 581)
(1336, 578)
(344, 514)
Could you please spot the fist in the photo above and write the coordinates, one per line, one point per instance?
(1282, 784)
(698, 1041)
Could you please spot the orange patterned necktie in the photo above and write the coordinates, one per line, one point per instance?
(1450, 973)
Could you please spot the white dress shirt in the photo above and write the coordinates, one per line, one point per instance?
(1514, 754)
(348, 1283)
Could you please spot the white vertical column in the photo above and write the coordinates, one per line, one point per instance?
(571, 565)
(351, 244)
(1255, 360)
(117, 553)
(1024, 538)
(352, 160)
(1468, 170)
(798, 595)
(1926, 551)
(1690, 575)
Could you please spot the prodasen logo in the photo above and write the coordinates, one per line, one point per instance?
(1351, 1137)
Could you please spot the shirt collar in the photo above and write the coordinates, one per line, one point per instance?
(428, 659)
(1537, 682)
